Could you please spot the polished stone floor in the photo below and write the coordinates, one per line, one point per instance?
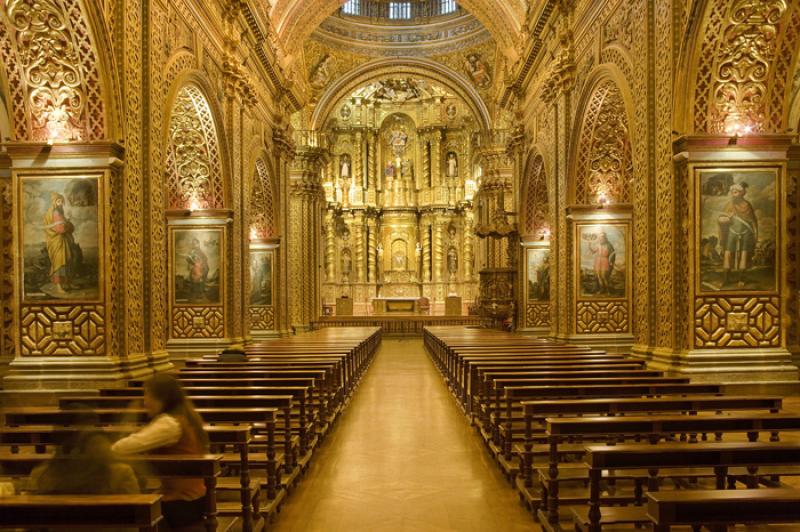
(403, 458)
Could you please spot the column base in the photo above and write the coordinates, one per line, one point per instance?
(183, 349)
(69, 373)
(726, 365)
(263, 335)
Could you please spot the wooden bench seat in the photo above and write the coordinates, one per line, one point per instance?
(71, 512)
(717, 459)
(651, 428)
(723, 508)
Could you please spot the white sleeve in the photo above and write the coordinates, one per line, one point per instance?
(162, 431)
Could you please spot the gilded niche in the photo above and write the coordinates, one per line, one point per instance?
(57, 62)
(194, 168)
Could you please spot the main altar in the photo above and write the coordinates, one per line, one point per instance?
(399, 223)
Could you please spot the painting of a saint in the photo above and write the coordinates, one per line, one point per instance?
(538, 274)
(60, 238)
(478, 71)
(738, 230)
(197, 259)
(260, 278)
(602, 261)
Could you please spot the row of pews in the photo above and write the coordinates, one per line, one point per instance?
(265, 417)
(596, 441)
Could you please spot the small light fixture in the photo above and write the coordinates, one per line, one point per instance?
(194, 205)
(545, 234)
(253, 233)
(602, 199)
(51, 141)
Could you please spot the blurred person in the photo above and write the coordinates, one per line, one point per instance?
(175, 427)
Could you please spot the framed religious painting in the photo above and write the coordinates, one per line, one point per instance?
(197, 266)
(538, 273)
(261, 278)
(738, 229)
(61, 238)
(602, 260)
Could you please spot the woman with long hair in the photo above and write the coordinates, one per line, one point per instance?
(175, 428)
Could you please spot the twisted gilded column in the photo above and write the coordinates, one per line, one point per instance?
(372, 253)
(305, 214)
(426, 251)
(330, 247)
(360, 258)
(438, 251)
(468, 244)
(372, 159)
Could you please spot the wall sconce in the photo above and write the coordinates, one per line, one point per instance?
(194, 205)
(602, 199)
(545, 234)
(253, 233)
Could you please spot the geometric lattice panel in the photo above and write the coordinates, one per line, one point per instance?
(262, 318)
(603, 317)
(737, 322)
(537, 315)
(197, 322)
(63, 330)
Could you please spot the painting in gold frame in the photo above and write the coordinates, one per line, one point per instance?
(602, 260)
(739, 233)
(197, 266)
(538, 270)
(260, 278)
(61, 239)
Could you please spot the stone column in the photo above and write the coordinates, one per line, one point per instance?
(305, 208)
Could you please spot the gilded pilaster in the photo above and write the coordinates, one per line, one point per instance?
(305, 205)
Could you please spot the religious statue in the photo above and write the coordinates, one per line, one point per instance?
(398, 139)
(406, 169)
(452, 261)
(478, 71)
(321, 74)
(399, 260)
(452, 165)
(388, 172)
(347, 264)
(344, 171)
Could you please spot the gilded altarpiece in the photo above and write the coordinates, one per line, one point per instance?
(600, 240)
(399, 220)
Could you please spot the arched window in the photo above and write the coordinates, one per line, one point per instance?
(352, 7)
(447, 7)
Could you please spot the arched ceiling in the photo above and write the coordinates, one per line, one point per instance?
(296, 20)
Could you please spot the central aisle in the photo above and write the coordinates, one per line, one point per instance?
(403, 458)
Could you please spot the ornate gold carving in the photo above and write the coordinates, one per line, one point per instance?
(537, 315)
(197, 322)
(536, 213)
(262, 204)
(63, 330)
(262, 318)
(58, 64)
(604, 164)
(602, 317)
(194, 168)
(746, 52)
(725, 322)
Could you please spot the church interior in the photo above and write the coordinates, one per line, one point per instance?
(395, 265)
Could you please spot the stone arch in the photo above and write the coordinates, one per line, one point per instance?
(730, 90)
(194, 159)
(535, 201)
(602, 158)
(55, 77)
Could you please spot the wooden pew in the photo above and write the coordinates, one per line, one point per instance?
(69, 512)
(651, 428)
(262, 418)
(723, 508)
(42, 437)
(205, 466)
(650, 459)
